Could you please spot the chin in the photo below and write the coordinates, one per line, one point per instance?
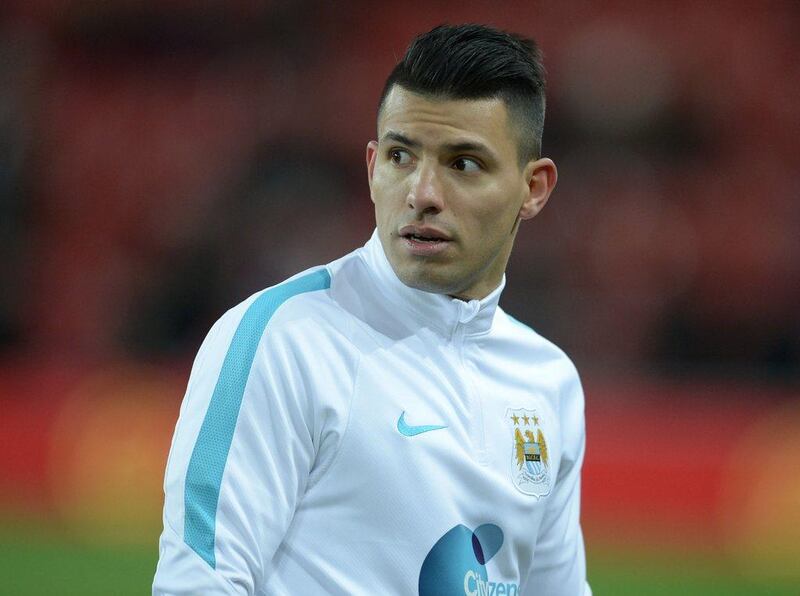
(424, 281)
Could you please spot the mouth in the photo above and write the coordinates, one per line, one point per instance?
(424, 240)
(418, 238)
(423, 234)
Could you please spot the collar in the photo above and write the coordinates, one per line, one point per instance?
(438, 310)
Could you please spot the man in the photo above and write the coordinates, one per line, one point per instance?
(379, 425)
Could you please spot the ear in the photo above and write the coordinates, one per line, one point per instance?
(541, 176)
(372, 156)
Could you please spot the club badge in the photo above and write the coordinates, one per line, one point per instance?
(530, 461)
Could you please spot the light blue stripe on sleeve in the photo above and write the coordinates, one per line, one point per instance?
(207, 464)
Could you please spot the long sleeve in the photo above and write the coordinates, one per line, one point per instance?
(240, 457)
(559, 567)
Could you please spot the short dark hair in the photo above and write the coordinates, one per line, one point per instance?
(478, 62)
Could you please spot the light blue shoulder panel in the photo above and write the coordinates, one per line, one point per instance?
(207, 464)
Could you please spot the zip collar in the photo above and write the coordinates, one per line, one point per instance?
(440, 311)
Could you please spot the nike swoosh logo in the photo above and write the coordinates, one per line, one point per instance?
(410, 431)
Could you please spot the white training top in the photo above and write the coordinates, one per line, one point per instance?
(343, 433)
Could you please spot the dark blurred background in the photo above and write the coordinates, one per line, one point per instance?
(161, 161)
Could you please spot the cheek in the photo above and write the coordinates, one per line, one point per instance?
(494, 221)
(491, 212)
(386, 189)
(387, 205)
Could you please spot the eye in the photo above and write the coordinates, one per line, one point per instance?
(465, 164)
(399, 157)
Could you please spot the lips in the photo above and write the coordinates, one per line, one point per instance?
(425, 241)
(424, 234)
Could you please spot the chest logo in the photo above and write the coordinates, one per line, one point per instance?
(410, 431)
(530, 460)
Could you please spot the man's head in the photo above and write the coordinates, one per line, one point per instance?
(477, 62)
(456, 165)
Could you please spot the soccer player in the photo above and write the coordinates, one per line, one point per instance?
(379, 425)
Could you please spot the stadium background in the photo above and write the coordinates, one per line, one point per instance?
(161, 161)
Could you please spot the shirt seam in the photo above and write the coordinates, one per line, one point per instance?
(322, 474)
(356, 368)
(168, 526)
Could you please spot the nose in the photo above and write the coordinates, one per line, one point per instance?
(425, 194)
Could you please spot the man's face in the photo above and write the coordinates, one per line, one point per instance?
(449, 191)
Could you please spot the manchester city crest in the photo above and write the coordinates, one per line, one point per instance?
(530, 461)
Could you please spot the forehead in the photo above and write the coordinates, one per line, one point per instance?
(442, 120)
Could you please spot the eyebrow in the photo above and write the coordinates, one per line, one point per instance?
(450, 147)
(467, 146)
(400, 138)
